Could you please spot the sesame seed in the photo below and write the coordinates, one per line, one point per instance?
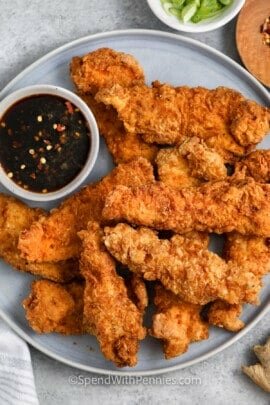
(36, 138)
(31, 151)
(23, 167)
(42, 160)
(39, 118)
(49, 147)
(25, 186)
(44, 190)
(54, 126)
(10, 175)
(3, 124)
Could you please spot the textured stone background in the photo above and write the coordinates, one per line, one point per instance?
(28, 30)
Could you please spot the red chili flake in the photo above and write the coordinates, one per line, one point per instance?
(10, 132)
(60, 128)
(33, 176)
(40, 166)
(69, 107)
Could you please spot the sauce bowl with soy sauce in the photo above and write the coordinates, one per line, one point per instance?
(49, 142)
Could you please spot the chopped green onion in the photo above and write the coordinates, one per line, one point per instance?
(194, 10)
(188, 12)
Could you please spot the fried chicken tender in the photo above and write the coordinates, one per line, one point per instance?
(103, 68)
(166, 115)
(256, 165)
(225, 316)
(182, 265)
(108, 312)
(176, 323)
(15, 217)
(220, 207)
(100, 69)
(53, 307)
(190, 164)
(55, 238)
(124, 146)
(251, 254)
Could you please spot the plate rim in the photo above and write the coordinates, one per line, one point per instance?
(181, 39)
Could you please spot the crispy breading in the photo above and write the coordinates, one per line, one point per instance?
(123, 146)
(55, 238)
(137, 291)
(222, 206)
(52, 307)
(176, 323)
(183, 265)
(166, 114)
(256, 165)
(15, 217)
(190, 164)
(108, 312)
(225, 316)
(250, 253)
(173, 169)
(103, 68)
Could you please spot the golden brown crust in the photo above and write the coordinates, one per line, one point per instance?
(55, 238)
(222, 206)
(256, 165)
(190, 164)
(165, 115)
(114, 319)
(184, 265)
(225, 316)
(104, 67)
(124, 146)
(176, 323)
(15, 217)
(53, 307)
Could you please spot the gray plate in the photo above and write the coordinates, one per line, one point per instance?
(168, 58)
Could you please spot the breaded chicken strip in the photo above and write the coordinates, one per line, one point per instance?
(222, 206)
(53, 307)
(176, 323)
(190, 164)
(103, 68)
(15, 217)
(165, 114)
(123, 146)
(182, 265)
(256, 165)
(250, 253)
(55, 238)
(108, 312)
(99, 69)
(225, 316)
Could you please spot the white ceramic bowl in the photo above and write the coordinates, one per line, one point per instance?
(206, 25)
(10, 100)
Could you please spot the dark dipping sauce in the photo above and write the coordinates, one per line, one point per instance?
(44, 142)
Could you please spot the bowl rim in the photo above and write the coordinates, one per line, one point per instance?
(207, 25)
(43, 89)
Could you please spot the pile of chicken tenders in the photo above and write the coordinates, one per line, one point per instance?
(186, 167)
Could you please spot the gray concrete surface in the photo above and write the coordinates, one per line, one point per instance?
(28, 30)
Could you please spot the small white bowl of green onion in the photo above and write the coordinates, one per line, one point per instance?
(195, 15)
